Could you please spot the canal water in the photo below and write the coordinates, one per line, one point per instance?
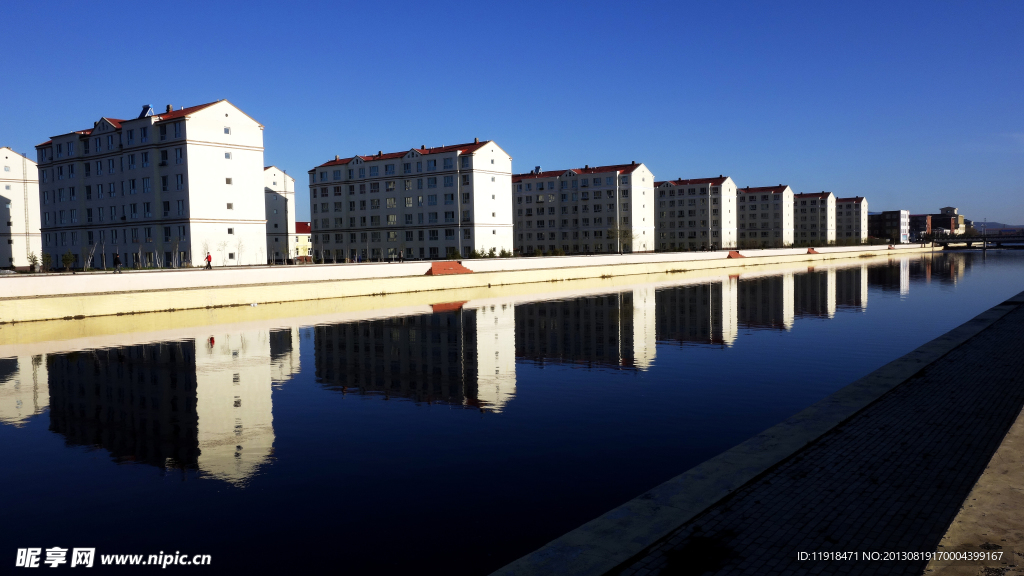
(450, 438)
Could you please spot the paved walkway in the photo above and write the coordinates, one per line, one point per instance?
(891, 478)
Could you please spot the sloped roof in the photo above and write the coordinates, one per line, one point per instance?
(813, 195)
(175, 114)
(764, 189)
(621, 168)
(857, 199)
(681, 182)
(461, 148)
(302, 228)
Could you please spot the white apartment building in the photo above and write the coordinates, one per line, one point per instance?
(19, 210)
(696, 214)
(420, 203)
(814, 218)
(852, 219)
(279, 194)
(162, 189)
(765, 216)
(601, 209)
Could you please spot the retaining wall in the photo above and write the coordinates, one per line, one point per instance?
(34, 297)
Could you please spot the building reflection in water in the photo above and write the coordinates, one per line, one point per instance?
(205, 403)
(24, 389)
(766, 302)
(704, 313)
(189, 404)
(616, 330)
(455, 355)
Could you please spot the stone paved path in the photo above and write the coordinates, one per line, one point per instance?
(892, 478)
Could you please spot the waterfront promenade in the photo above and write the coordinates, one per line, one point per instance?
(888, 476)
(34, 297)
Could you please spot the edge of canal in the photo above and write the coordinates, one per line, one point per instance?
(625, 532)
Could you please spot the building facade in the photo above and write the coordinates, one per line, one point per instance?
(589, 210)
(696, 214)
(162, 189)
(765, 216)
(920, 225)
(423, 203)
(814, 218)
(891, 225)
(279, 197)
(851, 220)
(19, 210)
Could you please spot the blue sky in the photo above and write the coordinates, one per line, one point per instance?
(914, 105)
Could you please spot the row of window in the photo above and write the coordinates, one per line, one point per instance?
(575, 209)
(389, 186)
(578, 183)
(127, 188)
(575, 222)
(690, 234)
(124, 163)
(703, 191)
(69, 147)
(575, 196)
(127, 235)
(390, 203)
(392, 220)
(389, 169)
(598, 248)
(408, 236)
(128, 211)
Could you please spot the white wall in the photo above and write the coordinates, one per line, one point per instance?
(19, 205)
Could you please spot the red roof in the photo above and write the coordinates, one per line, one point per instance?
(48, 142)
(461, 148)
(773, 189)
(680, 182)
(857, 199)
(813, 195)
(302, 228)
(619, 168)
(175, 114)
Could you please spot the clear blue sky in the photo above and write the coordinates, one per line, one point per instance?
(914, 105)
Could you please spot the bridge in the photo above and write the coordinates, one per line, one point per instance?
(988, 241)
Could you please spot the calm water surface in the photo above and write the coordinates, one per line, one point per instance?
(446, 442)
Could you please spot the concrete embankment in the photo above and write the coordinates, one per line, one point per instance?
(881, 466)
(26, 298)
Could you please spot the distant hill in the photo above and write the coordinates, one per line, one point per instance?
(996, 225)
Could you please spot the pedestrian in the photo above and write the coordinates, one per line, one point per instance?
(117, 263)
(209, 262)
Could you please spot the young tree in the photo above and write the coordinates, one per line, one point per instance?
(68, 259)
(47, 261)
(88, 259)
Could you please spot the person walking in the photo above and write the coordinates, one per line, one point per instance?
(209, 262)
(117, 263)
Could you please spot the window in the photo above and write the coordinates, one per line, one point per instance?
(177, 159)
(431, 182)
(231, 206)
(179, 180)
(449, 181)
(231, 230)
(227, 155)
(227, 180)
(227, 130)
